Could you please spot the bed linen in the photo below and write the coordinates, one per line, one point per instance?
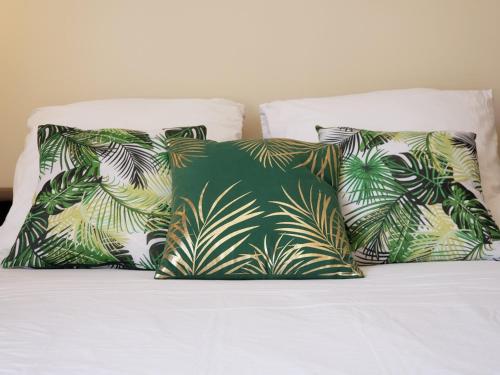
(426, 318)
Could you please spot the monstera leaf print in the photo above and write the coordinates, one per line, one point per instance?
(384, 225)
(156, 237)
(442, 151)
(103, 199)
(426, 184)
(66, 189)
(469, 214)
(413, 196)
(32, 233)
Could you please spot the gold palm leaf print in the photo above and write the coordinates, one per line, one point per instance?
(284, 258)
(322, 161)
(313, 219)
(183, 150)
(203, 240)
(271, 153)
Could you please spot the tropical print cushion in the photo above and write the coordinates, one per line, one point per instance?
(413, 196)
(103, 199)
(255, 209)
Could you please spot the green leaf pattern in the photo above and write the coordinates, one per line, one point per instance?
(413, 196)
(103, 199)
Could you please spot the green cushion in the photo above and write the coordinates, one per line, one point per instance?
(255, 209)
(102, 199)
(413, 196)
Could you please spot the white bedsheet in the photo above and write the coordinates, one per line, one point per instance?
(434, 318)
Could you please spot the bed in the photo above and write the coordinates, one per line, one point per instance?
(415, 318)
(426, 318)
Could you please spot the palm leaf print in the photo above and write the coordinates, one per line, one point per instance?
(321, 161)
(163, 146)
(311, 219)
(120, 208)
(382, 213)
(194, 132)
(366, 176)
(415, 197)
(283, 259)
(352, 140)
(279, 153)
(61, 145)
(102, 199)
(180, 151)
(348, 139)
(441, 239)
(467, 141)
(59, 250)
(204, 240)
(265, 226)
(465, 168)
(129, 152)
(71, 240)
(371, 226)
(271, 153)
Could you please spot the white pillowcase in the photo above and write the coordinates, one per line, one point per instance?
(223, 119)
(397, 110)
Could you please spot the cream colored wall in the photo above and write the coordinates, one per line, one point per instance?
(60, 51)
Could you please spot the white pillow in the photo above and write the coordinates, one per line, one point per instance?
(396, 110)
(223, 119)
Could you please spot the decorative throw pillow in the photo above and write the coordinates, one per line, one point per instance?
(255, 209)
(103, 199)
(413, 196)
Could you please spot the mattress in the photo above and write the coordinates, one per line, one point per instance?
(426, 318)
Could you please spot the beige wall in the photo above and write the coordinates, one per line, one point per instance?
(60, 51)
